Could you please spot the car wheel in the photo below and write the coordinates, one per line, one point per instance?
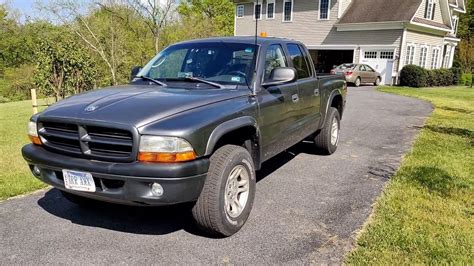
(227, 197)
(328, 138)
(377, 81)
(78, 200)
(357, 82)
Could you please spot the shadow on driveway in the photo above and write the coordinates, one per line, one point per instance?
(148, 220)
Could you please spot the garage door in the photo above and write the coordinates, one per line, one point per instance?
(380, 60)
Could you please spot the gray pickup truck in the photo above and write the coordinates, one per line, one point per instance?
(193, 125)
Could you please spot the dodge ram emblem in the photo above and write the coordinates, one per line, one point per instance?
(91, 108)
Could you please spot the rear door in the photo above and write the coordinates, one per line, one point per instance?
(278, 106)
(308, 88)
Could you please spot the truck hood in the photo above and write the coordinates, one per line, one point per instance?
(136, 105)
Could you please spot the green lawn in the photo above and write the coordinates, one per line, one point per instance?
(426, 214)
(15, 177)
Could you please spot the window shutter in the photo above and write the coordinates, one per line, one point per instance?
(433, 12)
(426, 8)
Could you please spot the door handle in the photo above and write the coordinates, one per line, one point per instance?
(316, 92)
(295, 98)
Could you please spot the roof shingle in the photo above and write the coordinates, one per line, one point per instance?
(362, 11)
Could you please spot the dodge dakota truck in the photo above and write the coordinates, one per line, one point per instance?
(194, 125)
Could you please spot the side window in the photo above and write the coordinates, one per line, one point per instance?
(369, 68)
(299, 61)
(273, 59)
(362, 68)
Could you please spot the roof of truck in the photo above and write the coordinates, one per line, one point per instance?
(241, 39)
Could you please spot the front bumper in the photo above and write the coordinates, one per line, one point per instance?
(123, 183)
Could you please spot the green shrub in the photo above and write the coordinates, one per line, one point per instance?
(466, 79)
(413, 76)
(456, 72)
(4, 99)
(431, 78)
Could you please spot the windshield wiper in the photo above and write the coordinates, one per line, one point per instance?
(152, 80)
(217, 85)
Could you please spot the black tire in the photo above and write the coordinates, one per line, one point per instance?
(357, 82)
(323, 139)
(78, 200)
(377, 81)
(210, 212)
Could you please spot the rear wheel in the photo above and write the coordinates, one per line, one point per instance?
(357, 82)
(377, 81)
(227, 197)
(328, 138)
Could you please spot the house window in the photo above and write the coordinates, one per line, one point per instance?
(257, 11)
(324, 9)
(386, 54)
(423, 54)
(410, 56)
(447, 56)
(430, 9)
(370, 54)
(240, 11)
(270, 9)
(287, 10)
(434, 58)
(455, 25)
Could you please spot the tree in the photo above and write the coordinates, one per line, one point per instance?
(156, 15)
(465, 53)
(64, 67)
(217, 15)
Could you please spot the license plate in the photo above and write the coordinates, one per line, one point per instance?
(80, 181)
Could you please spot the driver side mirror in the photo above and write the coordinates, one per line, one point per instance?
(135, 71)
(281, 75)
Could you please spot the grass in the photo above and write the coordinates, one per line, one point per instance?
(15, 177)
(426, 214)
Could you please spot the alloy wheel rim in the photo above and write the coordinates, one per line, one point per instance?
(334, 132)
(237, 191)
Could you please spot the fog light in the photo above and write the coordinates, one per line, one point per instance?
(36, 171)
(157, 190)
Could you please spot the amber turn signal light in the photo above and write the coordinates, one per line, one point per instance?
(35, 140)
(162, 157)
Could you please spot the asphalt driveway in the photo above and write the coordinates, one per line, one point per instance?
(308, 207)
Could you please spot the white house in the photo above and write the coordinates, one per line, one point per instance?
(386, 34)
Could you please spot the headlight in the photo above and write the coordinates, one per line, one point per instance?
(33, 133)
(165, 149)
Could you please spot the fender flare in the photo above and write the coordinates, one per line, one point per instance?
(331, 97)
(227, 127)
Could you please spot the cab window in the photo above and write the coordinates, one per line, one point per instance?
(299, 62)
(274, 58)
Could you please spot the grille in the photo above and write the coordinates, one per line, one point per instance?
(87, 141)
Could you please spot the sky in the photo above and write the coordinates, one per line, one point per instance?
(29, 8)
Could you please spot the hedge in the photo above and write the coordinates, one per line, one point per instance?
(415, 76)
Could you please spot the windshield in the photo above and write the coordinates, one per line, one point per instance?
(346, 67)
(224, 63)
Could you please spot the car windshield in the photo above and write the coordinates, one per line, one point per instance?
(219, 62)
(346, 67)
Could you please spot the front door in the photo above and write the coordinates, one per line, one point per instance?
(278, 106)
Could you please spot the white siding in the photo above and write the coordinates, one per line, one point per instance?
(422, 39)
(438, 17)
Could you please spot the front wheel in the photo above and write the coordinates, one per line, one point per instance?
(328, 138)
(377, 81)
(227, 197)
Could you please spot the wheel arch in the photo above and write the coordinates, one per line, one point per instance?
(242, 131)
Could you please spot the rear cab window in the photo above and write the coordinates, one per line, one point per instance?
(299, 61)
